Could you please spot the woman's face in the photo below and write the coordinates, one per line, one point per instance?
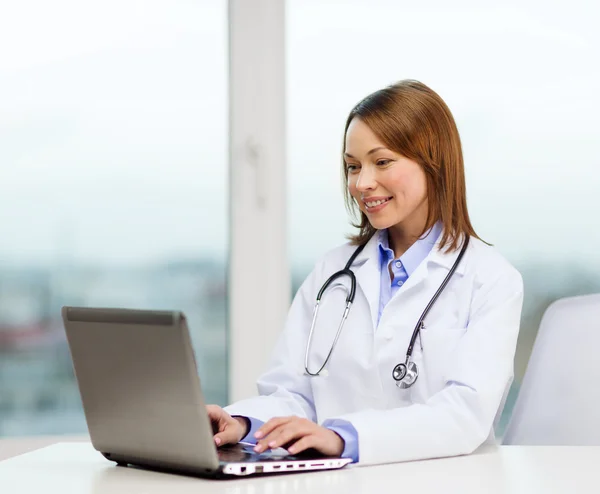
(389, 188)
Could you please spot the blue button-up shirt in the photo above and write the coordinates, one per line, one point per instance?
(389, 284)
(402, 267)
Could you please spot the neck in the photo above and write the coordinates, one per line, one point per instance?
(402, 235)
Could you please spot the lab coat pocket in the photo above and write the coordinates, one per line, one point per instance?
(435, 351)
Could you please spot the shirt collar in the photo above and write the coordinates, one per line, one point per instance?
(415, 254)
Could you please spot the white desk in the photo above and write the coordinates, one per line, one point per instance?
(14, 446)
(76, 468)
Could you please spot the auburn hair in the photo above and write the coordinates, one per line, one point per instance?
(413, 120)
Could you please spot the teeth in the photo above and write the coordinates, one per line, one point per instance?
(375, 203)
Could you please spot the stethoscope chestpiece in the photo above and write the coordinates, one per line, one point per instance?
(405, 376)
(399, 372)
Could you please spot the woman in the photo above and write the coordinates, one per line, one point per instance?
(403, 171)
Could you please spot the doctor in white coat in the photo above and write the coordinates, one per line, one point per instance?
(404, 176)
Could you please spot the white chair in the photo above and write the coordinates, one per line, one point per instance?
(559, 400)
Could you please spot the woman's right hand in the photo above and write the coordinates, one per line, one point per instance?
(226, 429)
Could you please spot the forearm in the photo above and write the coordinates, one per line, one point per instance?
(454, 423)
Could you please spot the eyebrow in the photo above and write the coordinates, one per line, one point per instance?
(348, 155)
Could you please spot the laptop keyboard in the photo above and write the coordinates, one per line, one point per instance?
(245, 454)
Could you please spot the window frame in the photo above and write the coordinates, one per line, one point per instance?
(258, 269)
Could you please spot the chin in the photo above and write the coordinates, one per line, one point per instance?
(380, 224)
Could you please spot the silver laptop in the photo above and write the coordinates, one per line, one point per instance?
(142, 399)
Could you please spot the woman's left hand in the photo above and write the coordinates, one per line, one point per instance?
(297, 434)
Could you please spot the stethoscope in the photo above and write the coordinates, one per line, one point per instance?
(405, 373)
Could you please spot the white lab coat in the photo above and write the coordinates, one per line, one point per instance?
(465, 355)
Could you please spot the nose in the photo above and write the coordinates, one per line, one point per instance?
(366, 179)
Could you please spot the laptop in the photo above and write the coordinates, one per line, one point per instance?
(143, 402)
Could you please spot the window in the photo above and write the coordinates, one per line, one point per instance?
(113, 165)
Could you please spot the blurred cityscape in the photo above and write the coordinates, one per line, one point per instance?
(38, 393)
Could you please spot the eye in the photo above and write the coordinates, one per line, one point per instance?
(383, 162)
(351, 168)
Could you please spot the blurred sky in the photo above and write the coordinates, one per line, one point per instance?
(113, 121)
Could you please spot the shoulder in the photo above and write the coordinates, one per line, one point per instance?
(331, 261)
(489, 266)
(339, 254)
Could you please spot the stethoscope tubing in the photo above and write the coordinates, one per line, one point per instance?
(347, 271)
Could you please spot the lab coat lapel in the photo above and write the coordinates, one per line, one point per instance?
(366, 270)
(437, 258)
(368, 275)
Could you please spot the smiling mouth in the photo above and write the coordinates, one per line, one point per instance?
(372, 204)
